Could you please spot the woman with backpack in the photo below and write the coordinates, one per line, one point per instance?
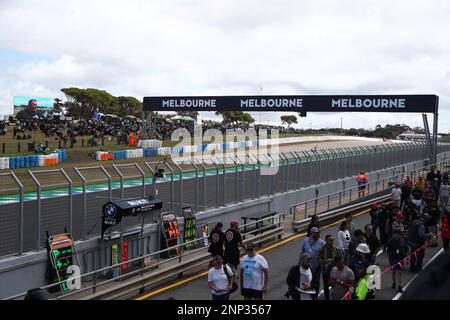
(220, 280)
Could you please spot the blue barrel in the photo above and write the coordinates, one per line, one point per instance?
(11, 163)
(26, 162)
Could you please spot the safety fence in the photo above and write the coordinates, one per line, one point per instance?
(146, 261)
(74, 200)
(347, 194)
(101, 278)
(402, 264)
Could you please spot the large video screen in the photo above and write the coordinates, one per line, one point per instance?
(21, 103)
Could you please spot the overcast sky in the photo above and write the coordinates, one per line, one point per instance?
(189, 47)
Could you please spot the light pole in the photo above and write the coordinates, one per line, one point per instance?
(261, 88)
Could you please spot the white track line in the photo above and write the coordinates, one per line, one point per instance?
(398, 295)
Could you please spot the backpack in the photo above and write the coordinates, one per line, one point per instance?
(234, 285)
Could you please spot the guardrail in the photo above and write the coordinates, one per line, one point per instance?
(146, 279)
(181, 266)
(313, 206)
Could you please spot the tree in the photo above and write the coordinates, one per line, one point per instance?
(187, 113)
(129, 106)
(83, 103)
(57, 105)
(235, 117)
(288, 119)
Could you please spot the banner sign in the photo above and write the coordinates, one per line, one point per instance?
(124, 255)
(170, 232)
(190, 223)
(113, 211)
(296, 103)
(61, 258)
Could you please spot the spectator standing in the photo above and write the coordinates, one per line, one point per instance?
(299, 279)
(429, 196)
(421, 184)
(445, 177)
(416, 238)
(313, 245)
(343, 241)
(254, 275)
(444, 194)
(326, 259)
(233, 239)
(342, 279)
(373, 242)
(220, 280)
(358, 238)
(397, 251)
(350, 224)
(445, 229)
(216, 239)
(359, 261)
(314, 223)
(362, 181)
(375, 216)
(417, 197)
(430, 176)
(396, 195)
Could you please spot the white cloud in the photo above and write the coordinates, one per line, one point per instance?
(190, 47)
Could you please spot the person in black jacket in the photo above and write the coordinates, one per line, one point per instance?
(299, 278)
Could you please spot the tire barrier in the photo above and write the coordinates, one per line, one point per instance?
(41, 160)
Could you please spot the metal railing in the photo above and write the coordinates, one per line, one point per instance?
(202, 185)
(140, 259)
(313, 206)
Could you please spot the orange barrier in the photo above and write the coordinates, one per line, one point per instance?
(106, 156)
(50, 162)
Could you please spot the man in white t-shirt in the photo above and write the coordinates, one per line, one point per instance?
(300, 278)
(219, 281)
(254, 274)
(396, 195)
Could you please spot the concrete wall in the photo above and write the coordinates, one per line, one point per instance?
(20, 273)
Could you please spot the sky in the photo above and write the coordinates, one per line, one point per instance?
(189, 47)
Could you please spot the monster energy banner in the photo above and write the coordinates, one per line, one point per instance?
(353, 103)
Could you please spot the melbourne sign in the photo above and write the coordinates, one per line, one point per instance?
(365, 103)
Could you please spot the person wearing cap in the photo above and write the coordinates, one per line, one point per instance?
(233, 239)
(313, 245)
(254, 275)
(299, 279)
(326, 260)
(359, 261)
(220, 280)
(397, 251)
(342, 279)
